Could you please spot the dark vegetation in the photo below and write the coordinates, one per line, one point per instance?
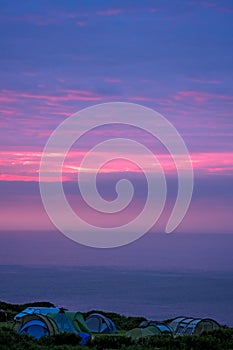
(216, 340)
(221, 339)
(12, 309)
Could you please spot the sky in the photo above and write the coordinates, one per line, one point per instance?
(57, 58)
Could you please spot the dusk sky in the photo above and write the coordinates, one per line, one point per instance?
(58, 57)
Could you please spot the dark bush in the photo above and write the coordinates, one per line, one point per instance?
(61, 339)
(3, 316)
(216, 340)
(20, 307)
(111, 341)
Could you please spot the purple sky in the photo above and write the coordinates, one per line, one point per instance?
(173, 56)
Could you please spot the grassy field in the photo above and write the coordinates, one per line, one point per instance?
(221, 339)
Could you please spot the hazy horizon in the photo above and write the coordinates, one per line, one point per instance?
(154, 251)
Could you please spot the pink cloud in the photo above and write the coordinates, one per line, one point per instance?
(45, 20)
(30, 74)
(140, 98)
(6, 97)
(65, 95)
(146, 81)
(200, 96)
(153, 10)
(113, 80)
(109, 12)
(39, 20)
(81, 24)
(205, 81)
(215, 5)
(117, 11)
(208, 4)
(24, 165)
(7, 111)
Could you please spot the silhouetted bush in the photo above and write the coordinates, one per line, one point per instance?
(215, 340)
(111, 341)
(61, 339)
(13, 309)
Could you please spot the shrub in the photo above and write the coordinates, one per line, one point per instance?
(61, 339)
(111, 341)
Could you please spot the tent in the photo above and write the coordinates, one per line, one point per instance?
(37, 310)
(36, 326)
(71, 322)
(98, 323)
(139, 333)
(162, 326)
(187, 325)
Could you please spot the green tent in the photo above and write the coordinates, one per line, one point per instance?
(138, 333)
(70, 322)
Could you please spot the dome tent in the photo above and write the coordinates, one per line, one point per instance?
(98, 323)
(187, 325)
(162, 326)
(139, 333)
(71, 322)
(36, 326)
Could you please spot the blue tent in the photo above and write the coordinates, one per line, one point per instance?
(161, 326)
(98, 323)
(188, 325)
(37, 310)
(36, 326)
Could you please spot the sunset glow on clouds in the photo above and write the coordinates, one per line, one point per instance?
(24, 166)
(59, 59)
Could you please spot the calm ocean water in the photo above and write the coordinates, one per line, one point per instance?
(154, 294)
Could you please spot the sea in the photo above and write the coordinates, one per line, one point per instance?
(156, 295)
(196, 283)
